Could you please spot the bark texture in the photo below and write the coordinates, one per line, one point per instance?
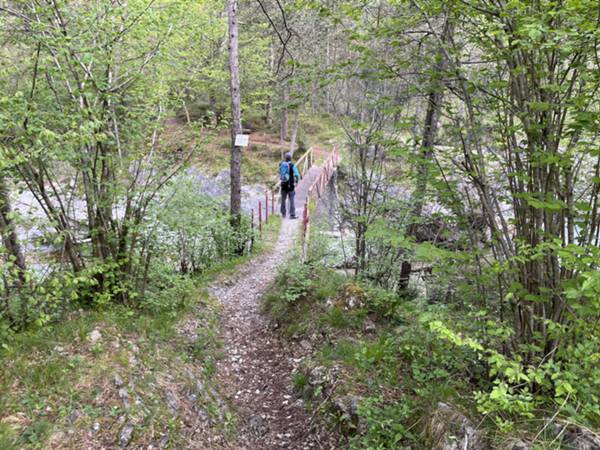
(236, 112)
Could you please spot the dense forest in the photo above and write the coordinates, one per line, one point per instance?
(440, 290)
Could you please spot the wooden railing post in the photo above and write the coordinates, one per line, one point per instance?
(305, 228)
(252, 229)
(267, 207)
(273, 202)
(260, 216)
(304, 216)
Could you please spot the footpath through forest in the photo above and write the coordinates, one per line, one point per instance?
(257, 368)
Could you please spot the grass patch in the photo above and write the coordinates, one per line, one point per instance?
(60, 385)
(57, 380)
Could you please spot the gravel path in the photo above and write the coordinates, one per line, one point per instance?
(256, 371)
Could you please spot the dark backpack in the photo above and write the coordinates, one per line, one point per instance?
(284, 172)
(286, 175)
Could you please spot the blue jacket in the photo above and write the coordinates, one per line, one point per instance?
(296, 172)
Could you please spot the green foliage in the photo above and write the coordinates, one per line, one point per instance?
(317, 129)
(300, 381)
(377, 356)
(35, 434)
(87, 115)
(384, 422)
(402, 361)
(567, 381)
(50, 298)
(192, 232)
(7, 437)
(336, 317)
(168, 292)
(385, 303)
(292, 285)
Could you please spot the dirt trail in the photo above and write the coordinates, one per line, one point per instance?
(256, 371)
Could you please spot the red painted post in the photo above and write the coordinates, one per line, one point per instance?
(252, 228)
(305, 218)
(267, 207)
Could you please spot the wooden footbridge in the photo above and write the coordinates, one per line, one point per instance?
(316, 168)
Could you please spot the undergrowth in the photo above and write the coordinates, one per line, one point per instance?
(389, 352)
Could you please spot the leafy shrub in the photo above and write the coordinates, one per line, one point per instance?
(328, 285)
(292, 284)
(192, 232)
(45, 299)
(384, 424)
(296, 282)
(383, 302)
(168, 292)
(568, 382)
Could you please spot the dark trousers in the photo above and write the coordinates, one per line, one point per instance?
(292, 195)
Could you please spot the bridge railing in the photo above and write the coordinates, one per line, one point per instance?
(315, 192)
(266, 208)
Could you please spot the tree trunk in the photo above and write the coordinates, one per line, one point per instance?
(434, 104)
(269, 111)
(295, 132)
(9, 235)
(236, 112)
(284, 116)
(12, 245)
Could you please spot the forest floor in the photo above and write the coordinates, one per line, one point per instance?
(257, 368)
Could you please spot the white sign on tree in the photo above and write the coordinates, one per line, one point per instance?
(242, 140)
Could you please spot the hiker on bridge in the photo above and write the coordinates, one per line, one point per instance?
(289, 177)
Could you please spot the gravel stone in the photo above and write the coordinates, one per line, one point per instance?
(126, 435)
(95, 336)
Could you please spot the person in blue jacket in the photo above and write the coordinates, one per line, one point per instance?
(289, 176)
